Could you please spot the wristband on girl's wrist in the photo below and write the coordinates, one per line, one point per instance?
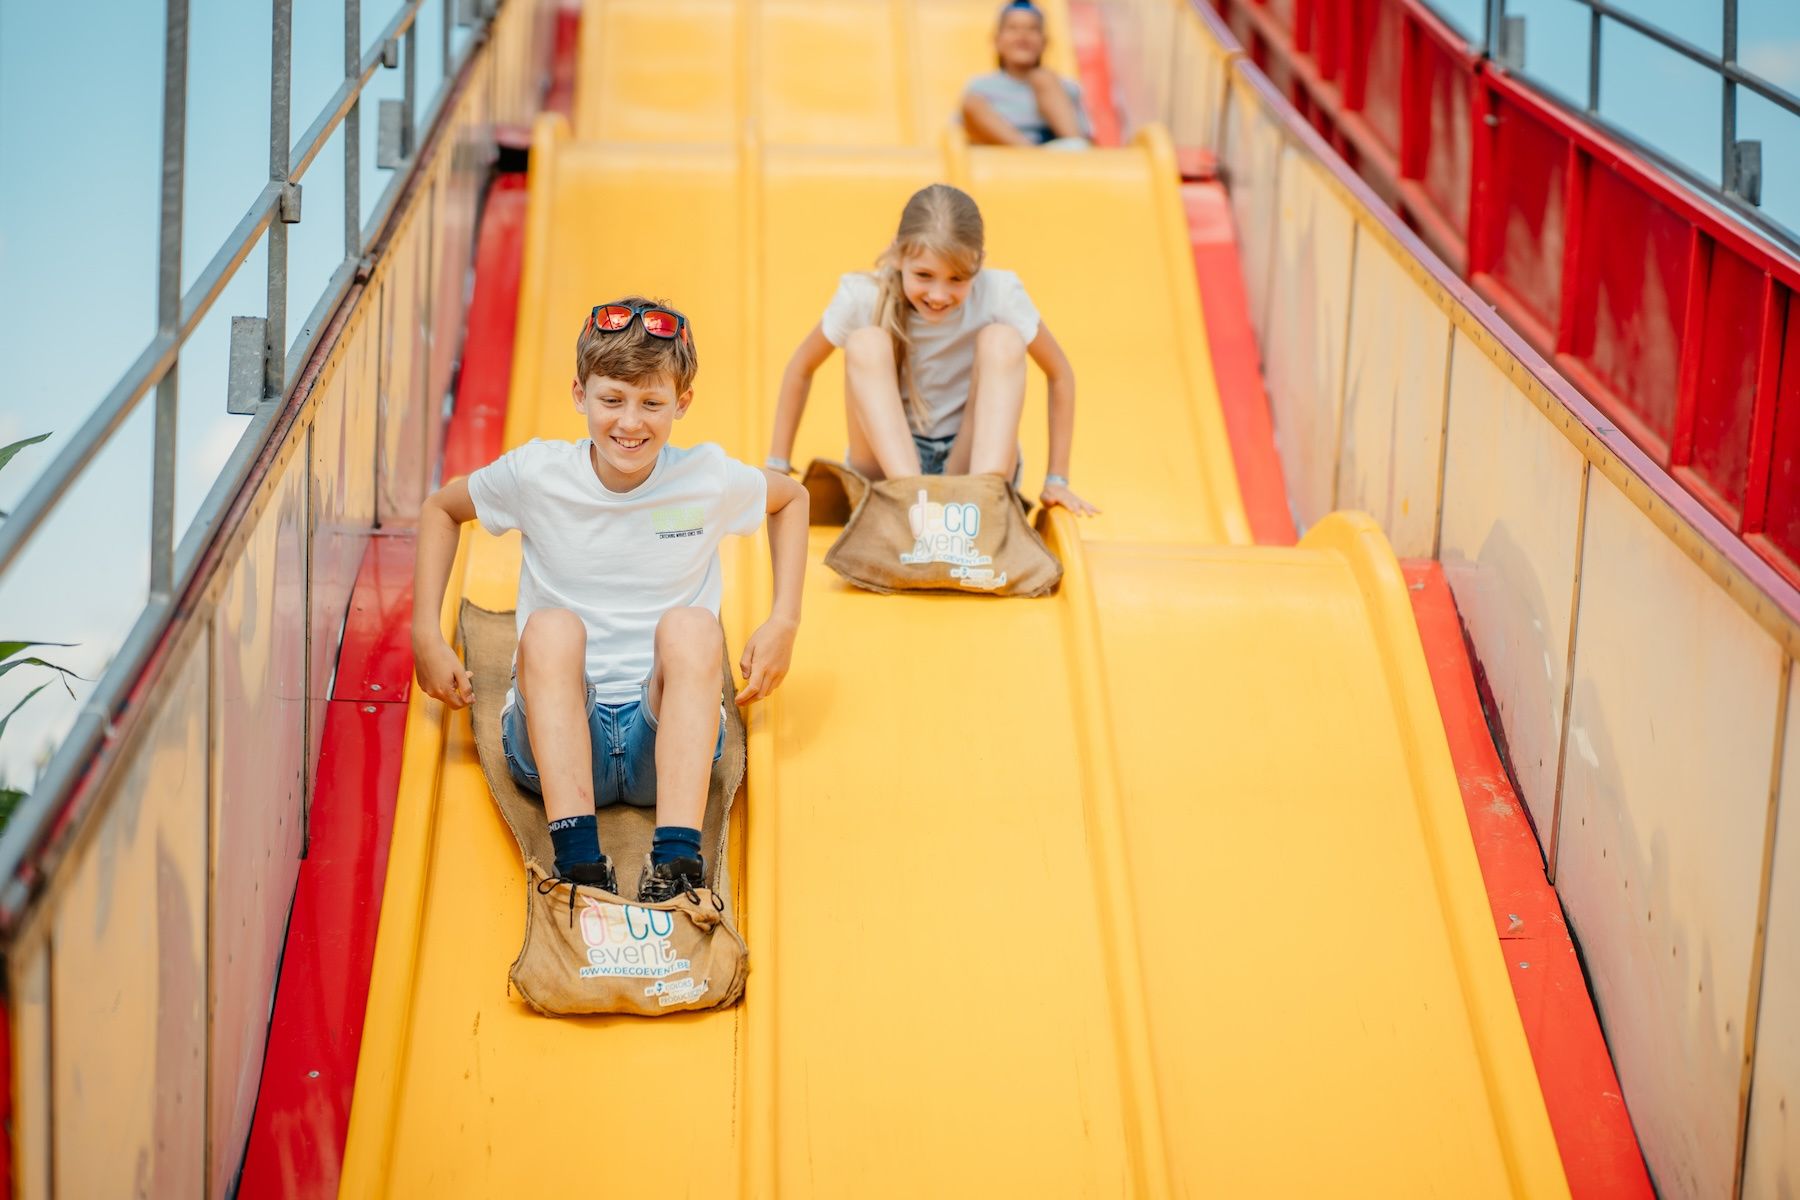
(775, 463)
(1056, 481)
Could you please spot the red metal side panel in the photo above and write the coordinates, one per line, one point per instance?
(1378, 63)
(1524, 215)
(1445, 81)
(1629, 303)
(1781, 527)
(1726, 384)
(1581, 1091)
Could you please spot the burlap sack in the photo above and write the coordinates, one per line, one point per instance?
(588, 951)
(946, 533)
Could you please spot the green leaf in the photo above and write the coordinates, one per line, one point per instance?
(38, 662)
(8, 649)
(9, 800)
(7, 452)
(21, 704)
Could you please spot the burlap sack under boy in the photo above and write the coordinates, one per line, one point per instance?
(588, 951)
(946, 533)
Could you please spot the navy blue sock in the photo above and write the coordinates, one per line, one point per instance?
(673, 842)
(577, 841)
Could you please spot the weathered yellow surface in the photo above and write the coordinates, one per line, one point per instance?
(1158, 886)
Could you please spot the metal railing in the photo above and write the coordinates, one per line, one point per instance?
(1739, 185)
(264, 362)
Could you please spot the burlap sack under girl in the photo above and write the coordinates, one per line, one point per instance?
(588, 951)
(947, 533)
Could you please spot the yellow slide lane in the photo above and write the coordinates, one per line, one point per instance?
(1158, 886)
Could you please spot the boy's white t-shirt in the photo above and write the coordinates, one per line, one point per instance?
(943, 354)
(618, 560)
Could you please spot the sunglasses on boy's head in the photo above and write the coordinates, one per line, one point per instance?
(659, 322)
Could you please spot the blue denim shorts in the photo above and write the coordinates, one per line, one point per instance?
(935, 452)
(623, 739)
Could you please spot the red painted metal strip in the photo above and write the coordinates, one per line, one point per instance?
(479, 421)
(560, 98)
(1237, 363)
(309, 1072)
(375, 660)
(1088, 34)
(1581, 1091)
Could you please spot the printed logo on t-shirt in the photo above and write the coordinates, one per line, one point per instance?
(679, 521)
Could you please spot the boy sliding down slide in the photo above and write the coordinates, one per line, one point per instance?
(616, 695)
(1024, 103)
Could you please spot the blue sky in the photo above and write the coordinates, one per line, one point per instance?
(78, 229)
(80, 129)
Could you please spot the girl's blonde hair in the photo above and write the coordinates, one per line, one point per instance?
(945, 221)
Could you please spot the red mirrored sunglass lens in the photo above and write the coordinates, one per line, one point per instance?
(613, 317)
(658, 323)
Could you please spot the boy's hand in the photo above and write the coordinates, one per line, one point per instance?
(1058, 495)
(442, 674)
(765, 660)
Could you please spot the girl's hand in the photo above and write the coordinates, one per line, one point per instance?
(1058, 495)
(766, 658)
(442, 674)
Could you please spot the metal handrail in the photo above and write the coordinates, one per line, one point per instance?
(173, 568)
(1739, 183)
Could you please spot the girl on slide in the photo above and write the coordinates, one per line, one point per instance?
(1024, 103)
(934, 359)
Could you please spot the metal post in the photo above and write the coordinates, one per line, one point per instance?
(1594, 19)
(353, 131)
(409, 93)
(168, 296)
(1728, 179)
(444, 33)
(281, 47)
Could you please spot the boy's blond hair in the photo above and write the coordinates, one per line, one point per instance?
(632, 356)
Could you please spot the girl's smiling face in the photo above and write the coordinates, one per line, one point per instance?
(934, 286)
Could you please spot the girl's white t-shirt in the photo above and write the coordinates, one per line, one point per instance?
(943, 354)
(618, 560)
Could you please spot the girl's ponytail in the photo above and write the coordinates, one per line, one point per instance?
(891, 311)
(941, 219)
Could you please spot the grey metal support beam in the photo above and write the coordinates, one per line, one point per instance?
(1595, 17)
(409, 114)
(353, 130)
(168, 297)
(281, 53)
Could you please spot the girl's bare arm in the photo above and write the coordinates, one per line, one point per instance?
(796, 383)
(1049, 356)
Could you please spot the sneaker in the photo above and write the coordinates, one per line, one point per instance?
(595, 874)
(665, 881)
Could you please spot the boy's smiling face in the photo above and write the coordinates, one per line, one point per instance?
(630, 424)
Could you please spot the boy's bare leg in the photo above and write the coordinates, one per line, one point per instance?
(878, 429)
(1054, 104)
(552, 684)
(684, 697)
(988, 442)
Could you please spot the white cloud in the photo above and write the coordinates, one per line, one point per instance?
(1776, 61)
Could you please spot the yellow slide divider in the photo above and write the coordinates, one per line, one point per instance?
(1157, 886)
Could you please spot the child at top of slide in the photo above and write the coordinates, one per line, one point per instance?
(1024, 103)
(616, 683)
(934, 358)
